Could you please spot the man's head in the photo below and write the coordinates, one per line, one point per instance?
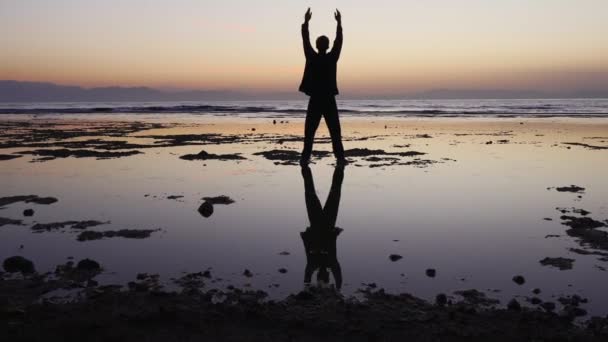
(322, 44)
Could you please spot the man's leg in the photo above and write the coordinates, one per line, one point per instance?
(330, 210)
(313, 205)
(333, 124)
(313, 118)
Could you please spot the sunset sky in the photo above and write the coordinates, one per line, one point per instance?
(391, 46)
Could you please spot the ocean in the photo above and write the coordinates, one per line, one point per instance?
(297, 108)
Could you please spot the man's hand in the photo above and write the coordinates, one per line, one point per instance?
(338, 16)
(308, 15)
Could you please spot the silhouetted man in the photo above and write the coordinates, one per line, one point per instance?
(320, 238)
(319, 82)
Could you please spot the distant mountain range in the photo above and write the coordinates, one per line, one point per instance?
(17, 91)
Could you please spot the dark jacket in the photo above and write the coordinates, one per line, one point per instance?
(320, 70)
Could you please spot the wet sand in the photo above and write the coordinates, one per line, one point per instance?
(428, 207)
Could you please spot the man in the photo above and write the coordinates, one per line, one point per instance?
(321, 236)
(319, 82)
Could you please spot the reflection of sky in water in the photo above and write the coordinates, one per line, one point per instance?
(478, 221)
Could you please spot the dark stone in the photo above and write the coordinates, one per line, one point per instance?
(514, 305)
(536, 291)
(18, 264)
(219, 200)
(28, 212)
(27, 199)
(395, 257)
(519, 280)
(581, 222)
(203, 155)
(72, 224)
(124, 233)
(247, 273)
(206, 209)
(66, 153)
(441, 299)
(548, 306)
(561, 263)
(304, 296)
(88, 265)
(431, 272)
(6, 221)
(9, 156)
(282, 270)
(571, 188)
(535, 300)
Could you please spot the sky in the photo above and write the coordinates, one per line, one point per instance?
(390, 46)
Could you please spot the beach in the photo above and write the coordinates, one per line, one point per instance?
(514, 208)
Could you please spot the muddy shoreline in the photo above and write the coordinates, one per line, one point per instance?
(145, 311)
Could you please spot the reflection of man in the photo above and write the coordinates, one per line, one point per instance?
(319, 82)
(320, 238)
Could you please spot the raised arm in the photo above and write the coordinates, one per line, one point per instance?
(308, 51)
(337, 48)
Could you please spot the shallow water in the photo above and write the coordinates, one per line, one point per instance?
(477, 219)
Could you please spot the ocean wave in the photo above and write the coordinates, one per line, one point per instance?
(381, 109)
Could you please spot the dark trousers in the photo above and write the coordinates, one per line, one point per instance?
(322, 106)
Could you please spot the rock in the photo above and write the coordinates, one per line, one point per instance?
(571, 188)
(204, 155)
(536, 291)
(27, 199)
(441, 299)
(519, 280)
(431, 272)
(284, 253)
(206, 209)
(282, 270)
(18, 264)
(514, 305)
(219, 200)
(48, 154)
(247, 273)
(4, 221)
(88, 265)
(573, 311)
(28, 212)
(581, 222)
(72, 224)
(395, 257)
(561, 263)
(548, 306)
(476, 297)
(535, 300)
(304, 296)
(9, 156)
(90, 235)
